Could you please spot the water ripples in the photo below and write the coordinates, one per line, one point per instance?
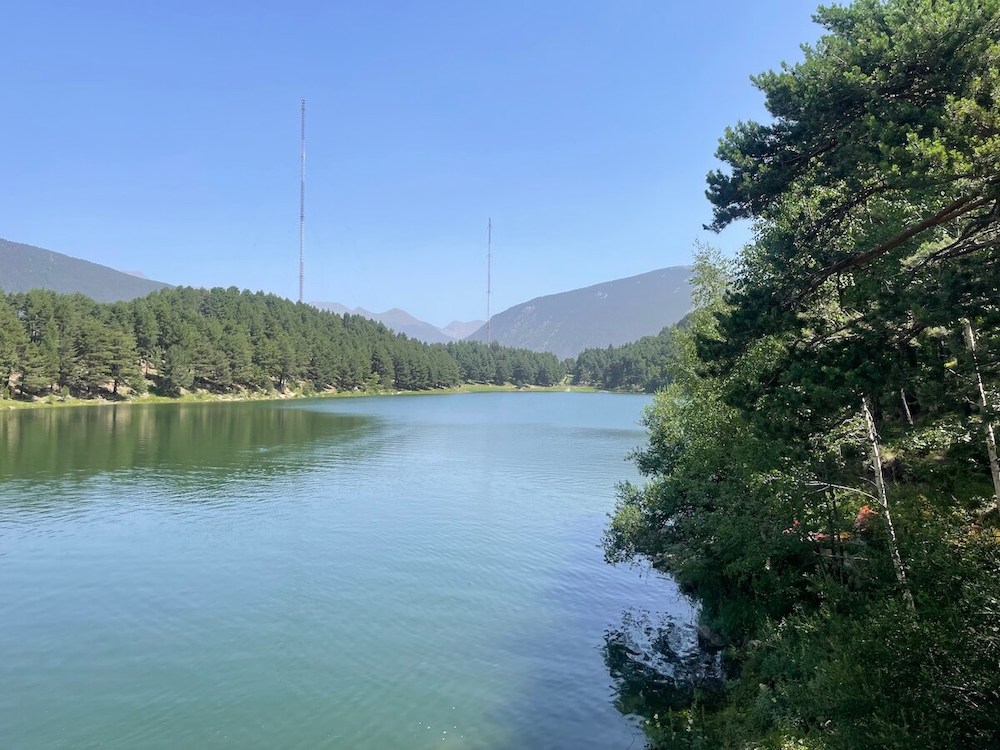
(391, 573)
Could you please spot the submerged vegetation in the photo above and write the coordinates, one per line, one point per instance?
(821, 470)
(227, 341)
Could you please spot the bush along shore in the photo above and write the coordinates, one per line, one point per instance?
(821, 472)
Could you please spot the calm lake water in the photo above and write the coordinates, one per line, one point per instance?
(394, 572)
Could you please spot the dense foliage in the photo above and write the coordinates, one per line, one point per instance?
(479, 363)
(643, 365)
(822, 468)
(225, 340)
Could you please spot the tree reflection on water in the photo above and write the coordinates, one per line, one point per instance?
(659, 666)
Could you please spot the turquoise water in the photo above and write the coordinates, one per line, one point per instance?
(394, 572)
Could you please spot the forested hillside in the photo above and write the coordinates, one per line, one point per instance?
(822, 469)
(24, 267)
(227, 340)
(643, 365)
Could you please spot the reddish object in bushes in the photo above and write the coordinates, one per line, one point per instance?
(865, 520)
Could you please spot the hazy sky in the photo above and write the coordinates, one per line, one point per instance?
(163, 137)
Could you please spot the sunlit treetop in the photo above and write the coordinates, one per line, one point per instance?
(885, 138)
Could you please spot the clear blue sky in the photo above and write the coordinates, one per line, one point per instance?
(164, 138)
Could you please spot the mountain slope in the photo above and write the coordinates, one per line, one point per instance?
(24, 267)
(609, 314)
(395, 319)
(402, 322)
(459, 329)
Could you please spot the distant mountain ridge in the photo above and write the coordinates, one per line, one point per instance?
(608, 314)
(402, 322)
(458, 329)
(24, 267)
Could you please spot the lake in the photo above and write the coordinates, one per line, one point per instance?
(389, 572)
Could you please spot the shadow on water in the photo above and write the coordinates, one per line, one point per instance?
(655, 666)
(84, 442)
(606, 658)
(657, 663)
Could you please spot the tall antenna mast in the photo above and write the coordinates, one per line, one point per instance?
(489, 277)
(302, 203)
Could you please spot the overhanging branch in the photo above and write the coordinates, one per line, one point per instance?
(952, 211)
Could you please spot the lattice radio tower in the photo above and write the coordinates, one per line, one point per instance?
(302, 203)
(489, 277)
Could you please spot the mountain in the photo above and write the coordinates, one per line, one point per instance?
(402, 322)
(399, 321)
(459, 329)
(608, 314)
(24, 267)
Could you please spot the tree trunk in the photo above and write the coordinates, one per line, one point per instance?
(991, 440)
(837, 550)
(906, 407)
(897, 561)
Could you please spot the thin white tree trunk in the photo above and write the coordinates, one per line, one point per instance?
(897, 561)
(906, 407)
(991, 440)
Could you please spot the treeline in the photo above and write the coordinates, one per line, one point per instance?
(225, 340)
(643, 365)
(479, 363)
(822, 468)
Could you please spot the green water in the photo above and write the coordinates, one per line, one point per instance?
(396, 572)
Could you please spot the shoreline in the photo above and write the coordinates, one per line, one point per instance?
(205, 397)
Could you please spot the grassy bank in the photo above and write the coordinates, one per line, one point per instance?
(54, 401)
